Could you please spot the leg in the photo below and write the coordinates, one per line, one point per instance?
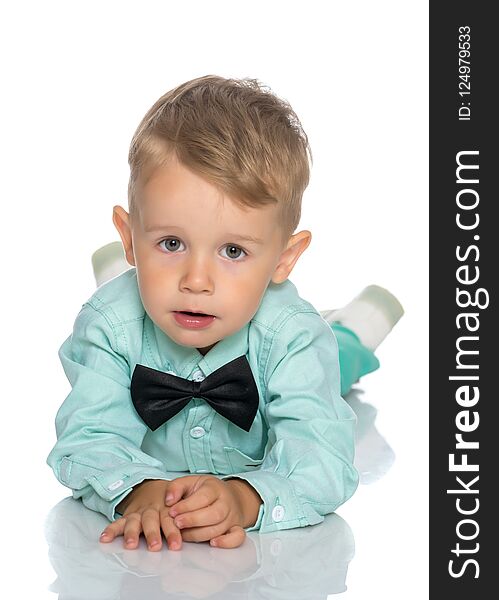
(360, 327)
(355, 359)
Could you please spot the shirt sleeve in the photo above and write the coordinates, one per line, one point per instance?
(307, 471)
(99, 434)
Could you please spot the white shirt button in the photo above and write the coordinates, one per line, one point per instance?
(278, 513)
(115, 485)
(198, 375)
(197, 432)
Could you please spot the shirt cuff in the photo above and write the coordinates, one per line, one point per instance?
(111, 487)
(258, 521)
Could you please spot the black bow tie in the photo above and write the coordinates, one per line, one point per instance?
(231, 390)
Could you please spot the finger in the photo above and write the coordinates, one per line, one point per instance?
(200, 498)
(172, 534)
(133, 527)
(232, 539)
(114, 529)
(180, 487)
(150, 527)
(203, 534)
(213, 514)
(177, 488)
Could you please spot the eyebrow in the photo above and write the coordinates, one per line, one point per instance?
(232, 236)
(244, 238)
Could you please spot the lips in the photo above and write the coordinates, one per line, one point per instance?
(195, 313)
(191, 320)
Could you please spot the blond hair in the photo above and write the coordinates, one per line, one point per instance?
(236, 134)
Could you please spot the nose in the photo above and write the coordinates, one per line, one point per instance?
(197, 276)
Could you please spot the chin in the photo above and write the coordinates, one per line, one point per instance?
(192, 341)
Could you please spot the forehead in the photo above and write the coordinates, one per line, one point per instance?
(174, 196)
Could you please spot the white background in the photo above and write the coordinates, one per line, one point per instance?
(77, 79)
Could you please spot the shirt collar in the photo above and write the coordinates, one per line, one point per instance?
(184, 358)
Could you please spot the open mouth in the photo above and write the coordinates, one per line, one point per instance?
(193, 320)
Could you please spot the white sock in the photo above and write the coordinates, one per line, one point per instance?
(371, 315)
(108, 262)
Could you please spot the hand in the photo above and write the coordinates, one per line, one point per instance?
(144, 510)
(212, 509)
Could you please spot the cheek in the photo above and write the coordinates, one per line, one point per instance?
(246, 293)
(153, 289)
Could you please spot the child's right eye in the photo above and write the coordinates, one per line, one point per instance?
(171, 244)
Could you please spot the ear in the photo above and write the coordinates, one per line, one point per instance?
(296, 245)
(121, 220)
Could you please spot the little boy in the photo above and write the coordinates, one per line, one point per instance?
(203, 359)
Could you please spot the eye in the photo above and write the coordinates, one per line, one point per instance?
(234, 252)
(171, 244)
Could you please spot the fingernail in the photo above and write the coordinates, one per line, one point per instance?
(179, 523)
(173, 513)
(174, 546)
(213, 542)
(169, 497)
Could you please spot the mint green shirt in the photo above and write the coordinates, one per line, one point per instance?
(298, 454)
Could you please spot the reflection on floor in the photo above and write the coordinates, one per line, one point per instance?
(373, 456)
(305, 563)
(265, 566)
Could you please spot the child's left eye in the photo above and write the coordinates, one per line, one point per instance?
(234, 252)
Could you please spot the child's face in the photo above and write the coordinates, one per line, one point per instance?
(189, 256)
